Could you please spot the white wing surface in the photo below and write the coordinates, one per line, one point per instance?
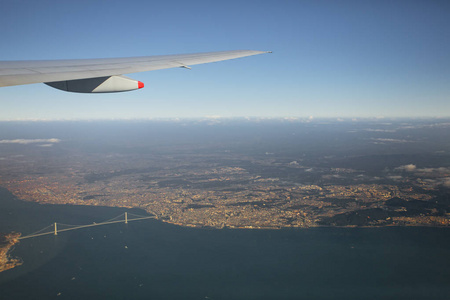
(71, 71)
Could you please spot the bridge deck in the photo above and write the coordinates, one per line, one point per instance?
(84, 226)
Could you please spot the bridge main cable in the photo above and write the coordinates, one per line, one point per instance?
(55, 231)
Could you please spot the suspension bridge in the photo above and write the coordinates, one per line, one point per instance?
(56, 228)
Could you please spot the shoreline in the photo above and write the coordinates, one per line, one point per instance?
(8, 241)
(301, 227)
(11, 239)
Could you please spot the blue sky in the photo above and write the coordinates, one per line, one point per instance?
(330, 58)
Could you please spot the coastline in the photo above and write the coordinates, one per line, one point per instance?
(7, 242)
(8, 262)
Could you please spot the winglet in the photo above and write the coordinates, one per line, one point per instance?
(186, 67)
(140, 85)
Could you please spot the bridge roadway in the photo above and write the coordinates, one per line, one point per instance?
(55, 231)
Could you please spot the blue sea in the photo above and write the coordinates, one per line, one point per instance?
(150, 259)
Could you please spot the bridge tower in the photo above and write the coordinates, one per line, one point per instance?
(56, 229)
(126, 218)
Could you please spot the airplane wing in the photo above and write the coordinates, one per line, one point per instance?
(104, 74)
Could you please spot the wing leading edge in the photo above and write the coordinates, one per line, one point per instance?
(69, 71)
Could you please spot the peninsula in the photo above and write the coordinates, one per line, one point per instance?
(7, 242)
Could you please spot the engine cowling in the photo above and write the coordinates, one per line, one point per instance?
(108, 84)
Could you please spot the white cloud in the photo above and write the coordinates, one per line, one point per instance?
(434, 170)
(446, 182)
(30, 141)
(409, 168)
(384, 140)
(429, 176)
(380, 130)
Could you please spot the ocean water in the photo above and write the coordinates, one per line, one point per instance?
(150, 259)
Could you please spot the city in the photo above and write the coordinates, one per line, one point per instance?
(222, 189)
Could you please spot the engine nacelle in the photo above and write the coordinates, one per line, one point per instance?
(108, 84)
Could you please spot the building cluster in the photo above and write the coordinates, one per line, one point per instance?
(7, 241)
(201, 191)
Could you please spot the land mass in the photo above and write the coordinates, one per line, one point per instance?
(7, 242)
(200, 194)
(247, 184)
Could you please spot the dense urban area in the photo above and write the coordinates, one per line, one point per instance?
(7, 242)
(221, 186)
(223, 189)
